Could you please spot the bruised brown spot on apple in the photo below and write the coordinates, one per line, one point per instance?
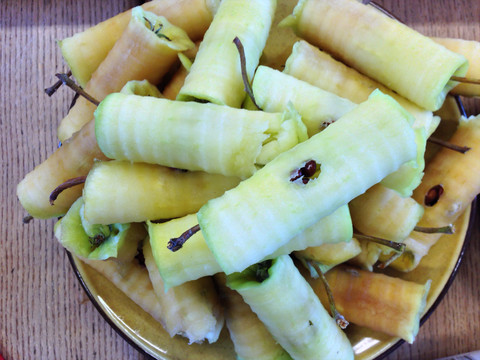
(309, 171)
(433, 195)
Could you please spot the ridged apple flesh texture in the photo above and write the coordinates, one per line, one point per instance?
(195, 259)
(139, 54)
(459, 175)
(291, 311)
(318, 68)
(267, 210)
(192, 136)
(385, 49)
(86, 50)
(274, 90)
(216, 75)
(123, 192)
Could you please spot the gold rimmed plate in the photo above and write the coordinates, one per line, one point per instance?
(148, 336)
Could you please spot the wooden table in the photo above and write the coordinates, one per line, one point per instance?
(44, 313)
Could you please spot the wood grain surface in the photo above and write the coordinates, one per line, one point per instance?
(44, 313)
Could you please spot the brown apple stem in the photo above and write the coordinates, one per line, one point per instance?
(261, 273)
(465, 80)
(446, 144)
(53, 89)
(71, 84)
(339, 318)
(66, 185)
(449, 229)
(243, 66)
(392, 258)
(400, 247)
(27, 219)
(176, 244)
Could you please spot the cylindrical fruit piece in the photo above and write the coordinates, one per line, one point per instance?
(382, 213)
(308, 182)
(121, 192)
(379, 302)
(385, 49)
(291, 311)
(320, 69)
(216, 74)
(86, 50)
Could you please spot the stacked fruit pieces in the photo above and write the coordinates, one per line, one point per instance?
(400, 58)
(250, 187)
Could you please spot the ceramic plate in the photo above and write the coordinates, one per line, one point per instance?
(148, 336)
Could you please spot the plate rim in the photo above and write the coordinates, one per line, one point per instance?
(102, 312)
